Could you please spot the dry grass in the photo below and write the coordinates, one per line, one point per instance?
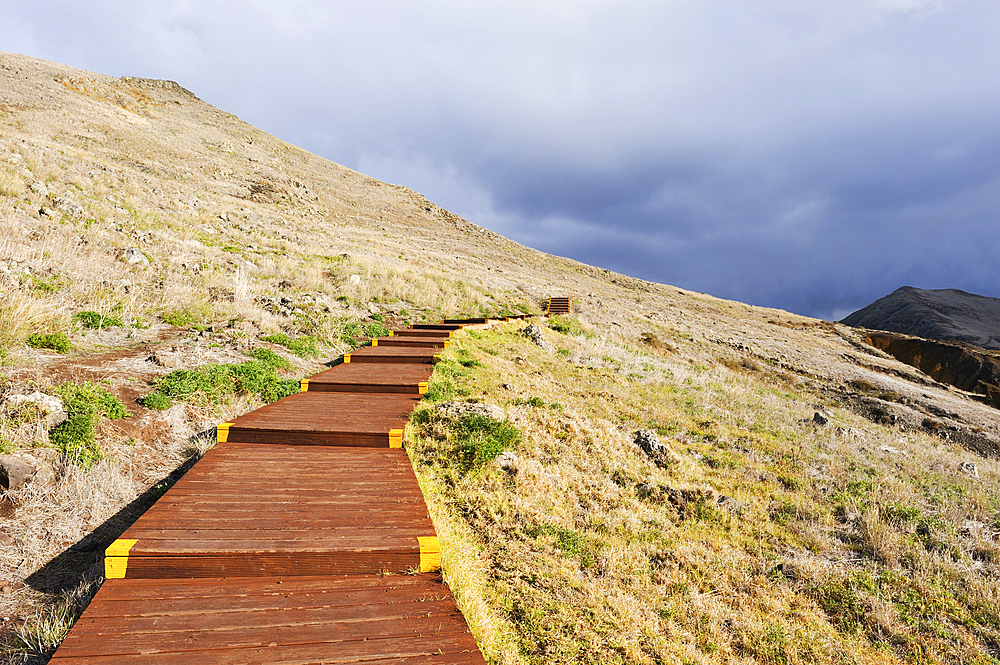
(850, 543)
(11, 185)
(832, 552)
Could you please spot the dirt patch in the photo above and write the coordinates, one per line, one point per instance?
(7, 507)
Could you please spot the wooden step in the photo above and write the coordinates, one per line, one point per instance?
(558, 306)
(393, 354)
(263, 510)
(416, 342)
(400, 619)
(409, 378)
(326, 419)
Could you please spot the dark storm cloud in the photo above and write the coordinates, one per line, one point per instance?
(806, 155)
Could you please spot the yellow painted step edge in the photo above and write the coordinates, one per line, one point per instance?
(446, 344)
(436, 359)
(304, 385)
(116, 558)
(395, 438)
(430, 554)
(222, 432)
(374, 342)
(422, 388)
(392, 333)
(347, 358)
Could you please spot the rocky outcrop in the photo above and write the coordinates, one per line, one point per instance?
(961, 365)
(945, 314)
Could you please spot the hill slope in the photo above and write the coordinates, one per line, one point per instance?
(946, 314)
(757, 531)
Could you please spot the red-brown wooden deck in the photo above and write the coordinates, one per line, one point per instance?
(251, 509)
(409, 378)
(325, 418)
(437, 326)
(393, 354)
(410, 332)
(416, 342)
(302, 537)
(240, 621)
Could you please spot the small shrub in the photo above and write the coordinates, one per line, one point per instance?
(271, 359)
(84, 403)
(536, 402)
(862, 386)
(213, 383)
(478, 440)
(179, 317)
(303, 346)
(50, 284)
(56, 341)
(156, 400)
(358, 331)
(567, 325)
(95, 320)
(570, 542)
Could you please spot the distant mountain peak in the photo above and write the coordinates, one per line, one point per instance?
(945, 314)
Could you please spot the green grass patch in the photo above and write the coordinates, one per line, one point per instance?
(303, 346)
(442, 386)
(356, 332)
(480, 439)
(97, 321)
(180, 317)
(58, 342)
(536, 402)
(570, 542)
(85, 403)
(474, 440)
(271, 359)
(156, 400)
(48, 284)
(214, 383)
(565, 324)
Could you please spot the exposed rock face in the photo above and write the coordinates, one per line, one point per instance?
(49, 405)
(960, 365)
(650, 444)
(534, 333)
(946, 314)
(15, 471)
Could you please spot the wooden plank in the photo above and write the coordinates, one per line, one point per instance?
(417, 332)
(394, 354)
(405, 620)
(249, 509)
(436, 326)
(408, 378)
(413, 342)
(325, 419)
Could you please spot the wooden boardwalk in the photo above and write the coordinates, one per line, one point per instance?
(243, 621)
(393, 354)
(558, 305)
(302, 537)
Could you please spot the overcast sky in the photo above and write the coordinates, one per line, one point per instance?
(812, 155)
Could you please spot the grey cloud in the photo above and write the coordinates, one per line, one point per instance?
(811, 156)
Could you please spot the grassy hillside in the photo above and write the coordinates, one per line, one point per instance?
(175, 266)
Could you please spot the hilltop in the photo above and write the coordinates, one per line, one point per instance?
(944, 314)
(693, 480)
